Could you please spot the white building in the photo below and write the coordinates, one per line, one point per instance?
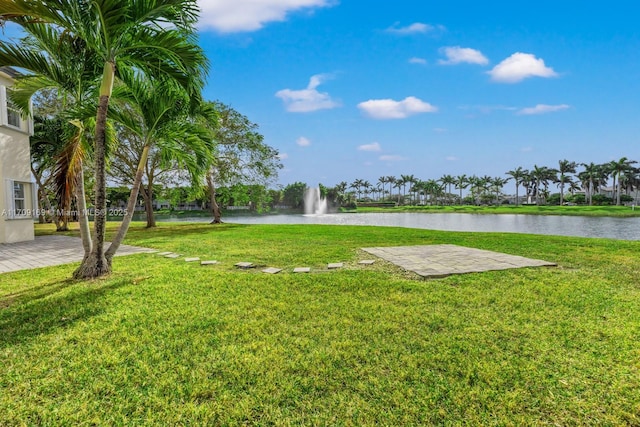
(17, 191)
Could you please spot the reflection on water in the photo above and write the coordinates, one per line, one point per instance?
(581, 226)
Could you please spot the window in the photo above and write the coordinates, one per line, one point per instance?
(20, 200)
(13, 115)
(18, 196)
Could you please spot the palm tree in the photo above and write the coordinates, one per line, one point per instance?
(564, 167)
(497, 184)
(447, 181)
(382, 181)
(158, 114)
(60, 63)
(518, 176)
(541, 176)
(461, 182)
(357, 185)
(618, 168)
(152, 37)
(391, 180)
(591, 177)
(366, 185)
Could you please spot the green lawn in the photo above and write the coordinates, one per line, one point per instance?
(617, 211)
(164, 342)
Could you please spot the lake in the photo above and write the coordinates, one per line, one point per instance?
(580, 226)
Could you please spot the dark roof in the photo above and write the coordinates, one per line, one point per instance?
(10, 71)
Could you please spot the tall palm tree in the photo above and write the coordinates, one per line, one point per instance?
(542, 175)
(518, 174)
(391, 180)
(61, 63)
(153, 37)
(461, 182)
(591, 177)
(564, 167)
(158, 113)
(357, 185)
(618, 168)
(447, 181)
(497, 184)
(382, 181)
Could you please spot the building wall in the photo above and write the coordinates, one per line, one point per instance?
(15, 225)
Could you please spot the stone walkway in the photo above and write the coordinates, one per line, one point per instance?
(435, 261)
(46, 251)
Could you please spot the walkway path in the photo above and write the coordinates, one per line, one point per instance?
(46, 251)
(443, 260)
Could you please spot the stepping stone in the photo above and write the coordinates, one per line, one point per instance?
(210, 262)
(245, 265)
(163, 253)
(301, 270)
(172, 256)
(152, 251)
(335, 265)
(192, 259)
(367, 262)
(272, 270)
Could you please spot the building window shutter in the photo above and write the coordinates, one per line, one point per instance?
(8, 199)
(3, 105)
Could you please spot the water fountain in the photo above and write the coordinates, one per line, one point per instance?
(314, 204)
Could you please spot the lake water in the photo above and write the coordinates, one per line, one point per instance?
(580, 226)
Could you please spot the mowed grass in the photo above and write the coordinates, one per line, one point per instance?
(164, 342)
(597, 211)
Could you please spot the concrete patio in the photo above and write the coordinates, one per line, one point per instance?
(435, 261)
(46, 251)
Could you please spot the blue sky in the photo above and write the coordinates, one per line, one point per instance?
(361, 89)
(348, 89)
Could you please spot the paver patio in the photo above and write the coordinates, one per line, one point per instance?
(435, 261)
(46, 251)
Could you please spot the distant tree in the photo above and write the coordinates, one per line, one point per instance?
(591, 177)
(293, 195)
(241, 156)
(447, 181)
(564, 167)
(617, 169)
(518, 176)
(461, 182)
(497, 184)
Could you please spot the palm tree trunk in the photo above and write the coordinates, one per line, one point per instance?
(96, 264)
(131, 206)
(83, 218)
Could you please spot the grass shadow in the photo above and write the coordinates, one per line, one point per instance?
(58, 305)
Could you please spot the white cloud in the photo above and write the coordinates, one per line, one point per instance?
(542, 109)
(390, 109)
(415, 28)
(526, 149)
(416, 60)
(391, 158)
(520, 66)
(374, 146)
(230, 16)
(458, 55)
(451, 158)
(309, 99)
(303, 142)
(283, 156)
(440, 130)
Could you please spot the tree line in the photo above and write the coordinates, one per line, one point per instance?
(580, 183)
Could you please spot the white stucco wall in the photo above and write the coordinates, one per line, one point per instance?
(14, 165)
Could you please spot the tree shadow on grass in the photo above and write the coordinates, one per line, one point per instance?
(36, 311)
